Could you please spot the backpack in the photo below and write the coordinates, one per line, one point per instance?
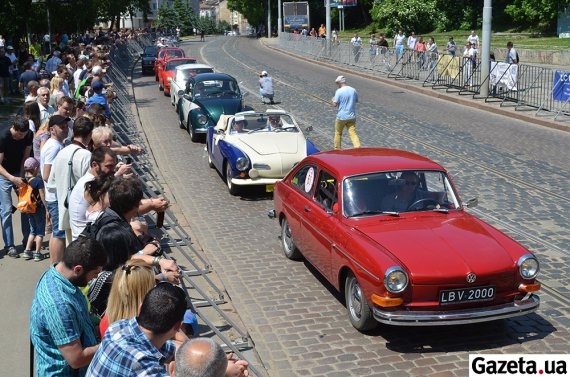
(27, 201)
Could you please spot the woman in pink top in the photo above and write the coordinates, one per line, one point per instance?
(421, 52)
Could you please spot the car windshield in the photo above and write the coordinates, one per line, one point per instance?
(216, 89)
(261, 123)
(173, 64)
(395, 192)
(184, 75)
(151, 50)
(175, 54)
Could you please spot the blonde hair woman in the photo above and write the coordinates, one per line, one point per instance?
(130, 284)
(55, 90)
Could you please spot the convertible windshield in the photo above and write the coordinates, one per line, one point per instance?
(184, 75)
(268, 123)
(395, 192)
(216, 89)
(173, 64)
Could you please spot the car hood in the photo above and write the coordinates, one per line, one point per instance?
(216, 106)
(266, 143)
(438, 248)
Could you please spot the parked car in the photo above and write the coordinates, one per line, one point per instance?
(180, 78)
(388, 229)
(163, 55)
(167, 73)
(148, 58)
(205, 98)
(256, 149)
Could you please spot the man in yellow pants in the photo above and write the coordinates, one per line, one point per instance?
(345, 99)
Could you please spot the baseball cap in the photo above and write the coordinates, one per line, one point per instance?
(97, 85)
(31, 163)
(264, 73)
(340, 78)
(57, 119)
(191, 319)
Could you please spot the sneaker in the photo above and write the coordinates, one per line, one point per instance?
(12, 252)
(28, 254)
(38, 257)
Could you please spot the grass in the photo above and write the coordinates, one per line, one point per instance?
(498, 40)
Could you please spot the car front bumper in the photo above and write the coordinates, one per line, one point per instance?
(254, 182)
(397, 317)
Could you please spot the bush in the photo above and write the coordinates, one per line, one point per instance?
(420, 16)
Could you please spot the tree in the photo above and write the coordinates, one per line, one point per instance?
(167, 17)
(415, 15)
(538, 14)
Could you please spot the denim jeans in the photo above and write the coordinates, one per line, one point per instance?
(6, 214)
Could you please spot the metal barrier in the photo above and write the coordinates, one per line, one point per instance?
(523, 86)
(172, 235)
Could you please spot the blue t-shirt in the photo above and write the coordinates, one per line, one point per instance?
(346, 98)
(101, 99)
(36, 183)
(58, 316)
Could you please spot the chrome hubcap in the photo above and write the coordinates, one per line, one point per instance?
(355, 300)
(287, 239)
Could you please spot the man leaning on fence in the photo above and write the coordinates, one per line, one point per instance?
(345, 100)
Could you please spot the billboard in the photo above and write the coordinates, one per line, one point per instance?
(341, 3)
(561, 86)
(295, 15)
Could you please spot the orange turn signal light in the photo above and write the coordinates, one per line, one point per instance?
(529, 287)
(242, 174)
(386, 301)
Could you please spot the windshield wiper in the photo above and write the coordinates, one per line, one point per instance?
(376, 212)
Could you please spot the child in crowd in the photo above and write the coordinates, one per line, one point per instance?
(37, 219)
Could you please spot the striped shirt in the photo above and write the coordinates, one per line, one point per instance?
(58, 316)
(126, 351)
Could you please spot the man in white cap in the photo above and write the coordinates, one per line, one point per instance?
(345, 99)
(266, 87)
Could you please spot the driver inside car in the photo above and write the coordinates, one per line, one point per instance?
(406, 195)
(274, 123)
(238, 125)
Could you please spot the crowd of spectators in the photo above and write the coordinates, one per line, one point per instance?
(107, 270)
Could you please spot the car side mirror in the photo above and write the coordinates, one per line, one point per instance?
(142, 55)
(244, 94)
(309, 129)
(472, 203)
(219, 131)
(180, 93)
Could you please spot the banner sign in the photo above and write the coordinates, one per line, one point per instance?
(504, 74)
(341, 3)
(561, 86)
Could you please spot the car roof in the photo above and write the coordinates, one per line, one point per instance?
(348, 162)
(171, 48)
(212, 76)
(192, 66)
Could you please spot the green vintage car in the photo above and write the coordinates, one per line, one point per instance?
(206, 97)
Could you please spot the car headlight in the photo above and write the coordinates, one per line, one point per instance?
(202, 119)
(169, 79)
(528, 266)
(241, 163)
(395, 279)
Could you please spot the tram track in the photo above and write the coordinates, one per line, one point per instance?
(549, 290)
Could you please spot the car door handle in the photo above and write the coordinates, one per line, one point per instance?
(307, 209)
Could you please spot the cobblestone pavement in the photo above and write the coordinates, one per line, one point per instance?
(298, 323)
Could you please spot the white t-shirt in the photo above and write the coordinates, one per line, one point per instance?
(412, 42)
(49, 152)
(78, 206)
(60, 174)
(399, 39)
(474, 39)
(356, 41)
(32, 125)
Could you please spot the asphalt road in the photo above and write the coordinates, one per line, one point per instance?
(518, 170)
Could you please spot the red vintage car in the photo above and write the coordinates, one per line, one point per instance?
(387, 229)
(167, 73)
(163, 55)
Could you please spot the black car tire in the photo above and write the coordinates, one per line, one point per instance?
(287, 243)
(233, 189)
(193, 135)
(210, 162)
(359, 313)
(156, 77)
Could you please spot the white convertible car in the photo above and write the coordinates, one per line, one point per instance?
(252, 148)
(180, 79)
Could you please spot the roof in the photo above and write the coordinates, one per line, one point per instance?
(348, 162)
(192, 66)
(212, 76)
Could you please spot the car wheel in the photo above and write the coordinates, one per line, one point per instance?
(193, 135)
(160, 86)
(233, 189)
(166, 94)
(287, 244)
(210, 162)
(359, 312)
(156, 77)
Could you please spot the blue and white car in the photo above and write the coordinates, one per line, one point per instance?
(256, 148)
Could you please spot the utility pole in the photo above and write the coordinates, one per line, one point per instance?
(279, 20)
(268, 18)
(328, 25)
(486, 51)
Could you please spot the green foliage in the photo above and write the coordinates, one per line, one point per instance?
(252, 10)
(409, 15)
(167, 17)
(539, 14)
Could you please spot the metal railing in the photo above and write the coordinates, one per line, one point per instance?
(206, 295)
(524, 86)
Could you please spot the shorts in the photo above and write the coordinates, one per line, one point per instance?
(37, 221)
(53, 210)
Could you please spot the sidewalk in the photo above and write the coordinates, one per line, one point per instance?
(416, 86)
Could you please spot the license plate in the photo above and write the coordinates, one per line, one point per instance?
(461, 295)
(269, 188)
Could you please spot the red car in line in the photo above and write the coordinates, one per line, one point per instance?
(387, 229)
(168, 72)
(163, 55)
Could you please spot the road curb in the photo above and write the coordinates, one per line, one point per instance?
(511, 113)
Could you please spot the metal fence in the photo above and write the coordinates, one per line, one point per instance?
(545, 90)
(204, 293)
